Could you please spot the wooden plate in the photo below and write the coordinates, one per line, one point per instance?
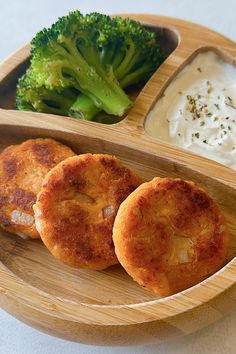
(107, 307)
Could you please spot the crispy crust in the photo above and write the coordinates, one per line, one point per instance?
(22, 169)
(77, 205)
(169, 235)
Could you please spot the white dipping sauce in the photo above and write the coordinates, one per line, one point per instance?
(198, 110)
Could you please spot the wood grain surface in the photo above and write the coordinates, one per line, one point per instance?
(107, 307)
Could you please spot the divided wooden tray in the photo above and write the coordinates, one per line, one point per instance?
(107, 307)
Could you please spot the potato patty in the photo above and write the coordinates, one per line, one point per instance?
(76, 208)
(22, 170)
(169, 235)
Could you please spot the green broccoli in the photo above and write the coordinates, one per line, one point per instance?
(68, 55)
(81, 65)
(32, 97)
(130, 51)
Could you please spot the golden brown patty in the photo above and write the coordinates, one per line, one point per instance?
(22, 170)
(76, 208)
(169, 235)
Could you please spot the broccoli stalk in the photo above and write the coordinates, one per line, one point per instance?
(68, 55)
(132, 54)
(83, 108)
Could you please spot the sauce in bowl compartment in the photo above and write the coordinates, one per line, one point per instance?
(197, 111)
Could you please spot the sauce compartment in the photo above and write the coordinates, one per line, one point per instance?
(197, 110)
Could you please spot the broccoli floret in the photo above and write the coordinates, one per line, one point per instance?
(130, 51)
(32, 97)
(93, 55)
(68, 55)
(141, 54)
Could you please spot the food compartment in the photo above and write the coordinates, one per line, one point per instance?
(31, 261)
(167, 38)
(197, 110)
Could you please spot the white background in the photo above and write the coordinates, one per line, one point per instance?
(19, 20)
